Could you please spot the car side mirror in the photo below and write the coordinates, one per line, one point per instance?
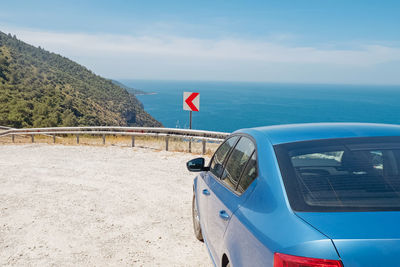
(196, 165)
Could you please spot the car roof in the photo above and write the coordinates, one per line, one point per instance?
(288, 133)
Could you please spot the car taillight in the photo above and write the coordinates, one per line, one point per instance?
(283, 260)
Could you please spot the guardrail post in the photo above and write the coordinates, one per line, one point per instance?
(77, 138)
(133, 141)
(204, 147)
(104, 139)
(13, 138)
(54, 138)
(166, 143)
(190, 145)
(33, 138)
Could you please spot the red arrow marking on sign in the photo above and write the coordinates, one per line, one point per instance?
(190, 103)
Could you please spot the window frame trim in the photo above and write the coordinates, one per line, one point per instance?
(245, 167)
(218, 179)
(228, 155)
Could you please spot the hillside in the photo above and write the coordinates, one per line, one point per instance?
(42, 89)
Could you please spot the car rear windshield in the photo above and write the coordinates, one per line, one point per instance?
(352, 174)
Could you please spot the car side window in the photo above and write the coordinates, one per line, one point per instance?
(249, 174)
(216, 166)
(237, 162)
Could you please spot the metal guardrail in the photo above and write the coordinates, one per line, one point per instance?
(166, 133)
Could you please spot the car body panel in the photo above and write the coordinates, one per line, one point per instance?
(263, 222)
(259, 236)
(221, 199)
(369, 252)
(280, 134)
(362, 238)
(202, 201)
(355, 225)
(257, 211)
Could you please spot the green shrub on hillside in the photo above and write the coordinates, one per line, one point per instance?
(43, 89)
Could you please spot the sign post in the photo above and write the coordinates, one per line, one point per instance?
(190, 119)
(191, 102)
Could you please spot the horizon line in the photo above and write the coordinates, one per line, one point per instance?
(248, 81)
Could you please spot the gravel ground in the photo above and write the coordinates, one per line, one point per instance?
(96, 206)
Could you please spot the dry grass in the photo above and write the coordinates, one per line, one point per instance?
(156, 143)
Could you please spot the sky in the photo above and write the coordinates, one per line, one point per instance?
(296, 41)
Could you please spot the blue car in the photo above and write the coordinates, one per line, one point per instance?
(301, 195)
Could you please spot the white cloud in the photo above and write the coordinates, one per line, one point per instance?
(173, 57)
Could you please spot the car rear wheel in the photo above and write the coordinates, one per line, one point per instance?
(196, 220)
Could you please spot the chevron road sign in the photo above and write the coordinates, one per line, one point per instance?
(191, 101)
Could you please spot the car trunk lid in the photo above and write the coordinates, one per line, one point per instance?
(361, 238)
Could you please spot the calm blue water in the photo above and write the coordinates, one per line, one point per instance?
(226, 106)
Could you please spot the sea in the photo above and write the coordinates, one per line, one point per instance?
(228, 106)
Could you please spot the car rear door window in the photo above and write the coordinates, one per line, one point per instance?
(249, 174)
(216, 166)
(349, 174)
(237, 162)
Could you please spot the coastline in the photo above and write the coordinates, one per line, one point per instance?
(146, 94)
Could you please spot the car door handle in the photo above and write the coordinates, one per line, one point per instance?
(223, 215)
(206, 192)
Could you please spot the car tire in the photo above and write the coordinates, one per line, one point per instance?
(196, 220)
